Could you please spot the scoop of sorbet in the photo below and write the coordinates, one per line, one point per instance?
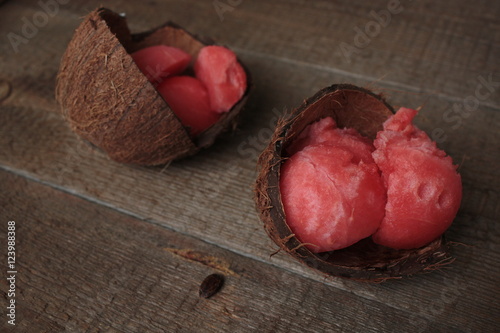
(222, 74)
(331, 188)
(188, 99)
(423, 188)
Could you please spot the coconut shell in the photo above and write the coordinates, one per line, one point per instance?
(351, 107)
(109, 102)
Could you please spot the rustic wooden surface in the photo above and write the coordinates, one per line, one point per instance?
(105, 247)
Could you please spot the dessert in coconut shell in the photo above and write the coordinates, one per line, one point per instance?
(350, 107)
(110, 103)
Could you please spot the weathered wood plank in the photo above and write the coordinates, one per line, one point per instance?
(105, 271)
(459, 136)
(429, 47)
(437, 48)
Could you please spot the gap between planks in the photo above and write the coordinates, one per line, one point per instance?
(346, 74)
(369, 79)
(310, 277)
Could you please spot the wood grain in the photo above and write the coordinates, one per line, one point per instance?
(106, 271)
(437, 49)
(291, 48)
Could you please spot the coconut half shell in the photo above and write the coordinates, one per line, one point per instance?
(351, 107)
(109, 102)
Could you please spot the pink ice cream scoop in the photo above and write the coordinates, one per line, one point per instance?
(331, 189)
(423, 188)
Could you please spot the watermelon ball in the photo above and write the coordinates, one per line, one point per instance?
(423, 188)
(188, 99)
(222, 74)
(331, 189)
(160, 61)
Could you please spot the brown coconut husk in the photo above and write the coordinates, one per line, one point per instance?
(351, 107)
(109, 102)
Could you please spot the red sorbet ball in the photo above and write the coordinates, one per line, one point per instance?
(218, 68)
(188, 99)
(331, 188)
(423, 188)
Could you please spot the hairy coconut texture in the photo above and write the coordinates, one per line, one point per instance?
(350, 107)
(109, 102)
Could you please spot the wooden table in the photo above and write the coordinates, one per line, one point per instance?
(107, 247)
